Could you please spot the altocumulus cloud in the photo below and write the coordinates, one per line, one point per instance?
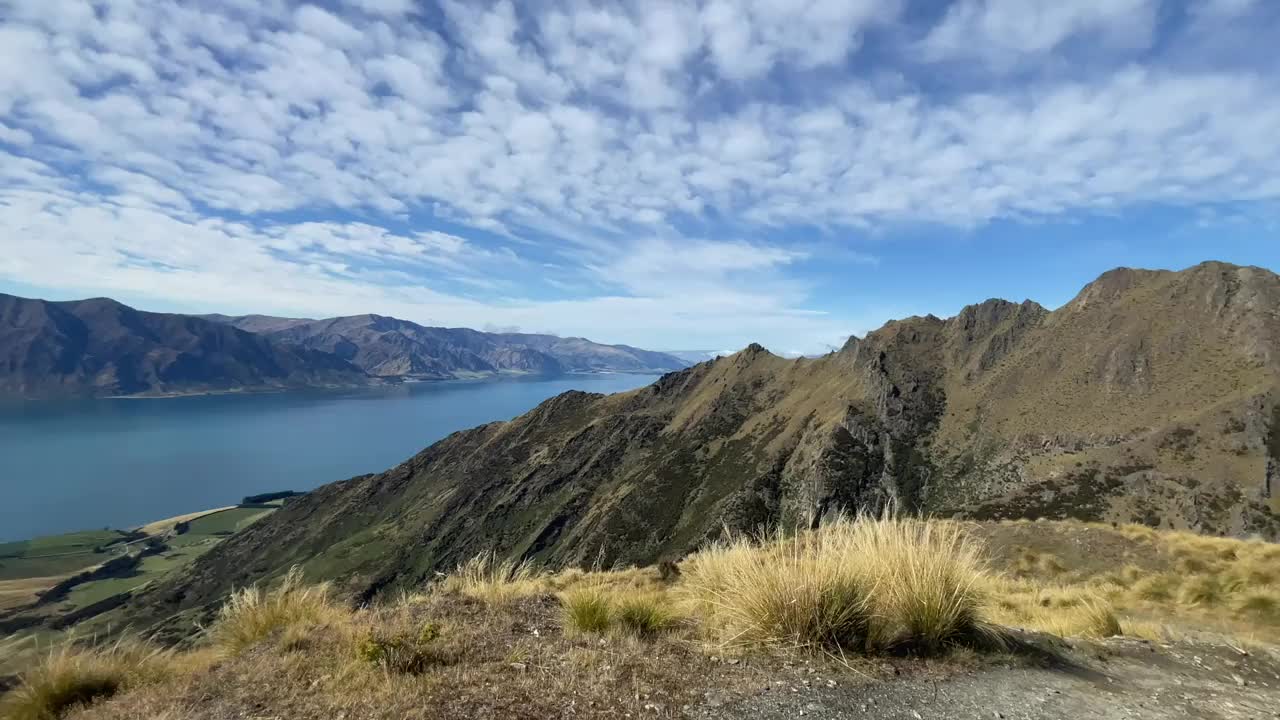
(628, 171)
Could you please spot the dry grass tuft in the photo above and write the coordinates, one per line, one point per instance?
(1261, 605)
(252, 614)
(861, 584)
(587, 610)
(645, 616)
(487, 578)
(928, 580)
(801, 591)
(69, 677)
(1203, 590)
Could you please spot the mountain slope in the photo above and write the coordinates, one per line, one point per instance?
(101, 347)
(1151, 397)
(389, 347)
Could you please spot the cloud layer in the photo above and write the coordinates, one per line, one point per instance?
(631, 171)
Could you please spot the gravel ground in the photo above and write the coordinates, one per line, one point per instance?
(1116, 679)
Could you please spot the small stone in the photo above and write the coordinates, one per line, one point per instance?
(831, 683)
(1239, 680)
(916, 715)
(734, 661)
(518, 666)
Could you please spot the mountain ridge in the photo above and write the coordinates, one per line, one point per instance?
(388, 346)
(101, 347)
(1155, 403)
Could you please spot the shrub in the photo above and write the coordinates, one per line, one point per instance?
(644, 615)
(70, 677)
(587, 611)
(251, 615)
(485, 577)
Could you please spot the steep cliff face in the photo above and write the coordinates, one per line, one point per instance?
(1149, 398)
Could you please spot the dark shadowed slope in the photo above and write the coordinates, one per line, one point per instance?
(1151, 397)
(101, 347)
(389, 347)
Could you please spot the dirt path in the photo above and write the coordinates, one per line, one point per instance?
(1127, 679)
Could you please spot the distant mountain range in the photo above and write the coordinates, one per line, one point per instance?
(387, 347)
(102, 347)
(1152, 397)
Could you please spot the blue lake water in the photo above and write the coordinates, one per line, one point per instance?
(97, 463)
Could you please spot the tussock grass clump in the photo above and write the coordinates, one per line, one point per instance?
(1095, 619)
(861, 584)
(587, 610)
(69, 677)
(928, 579)
(1204, 590)
(798, 591)
(252, 614)
(1262, 605)
(485, 577)
(644, 615)
(1157, 588)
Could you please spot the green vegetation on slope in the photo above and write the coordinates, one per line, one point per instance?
(840, 604)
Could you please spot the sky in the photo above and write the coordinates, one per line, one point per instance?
(679, 175)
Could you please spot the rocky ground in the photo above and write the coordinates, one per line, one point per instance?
(1112, 679)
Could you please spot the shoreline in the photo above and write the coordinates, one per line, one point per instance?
(384, 383)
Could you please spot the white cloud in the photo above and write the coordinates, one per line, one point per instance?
(297, 158)
(1006, 31)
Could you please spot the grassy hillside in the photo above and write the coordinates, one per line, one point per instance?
(803, 614)
(1150, 398)
(77, 578)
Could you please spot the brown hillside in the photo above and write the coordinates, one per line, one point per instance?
(1148, 398)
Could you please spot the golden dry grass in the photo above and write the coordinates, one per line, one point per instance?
(253, 614)
(486, 577)
(71, 676)
(1158, 584)
(855, 584)
(864, 585)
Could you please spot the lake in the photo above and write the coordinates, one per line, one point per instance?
(74, 465)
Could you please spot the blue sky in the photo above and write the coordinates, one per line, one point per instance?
(691, 174)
